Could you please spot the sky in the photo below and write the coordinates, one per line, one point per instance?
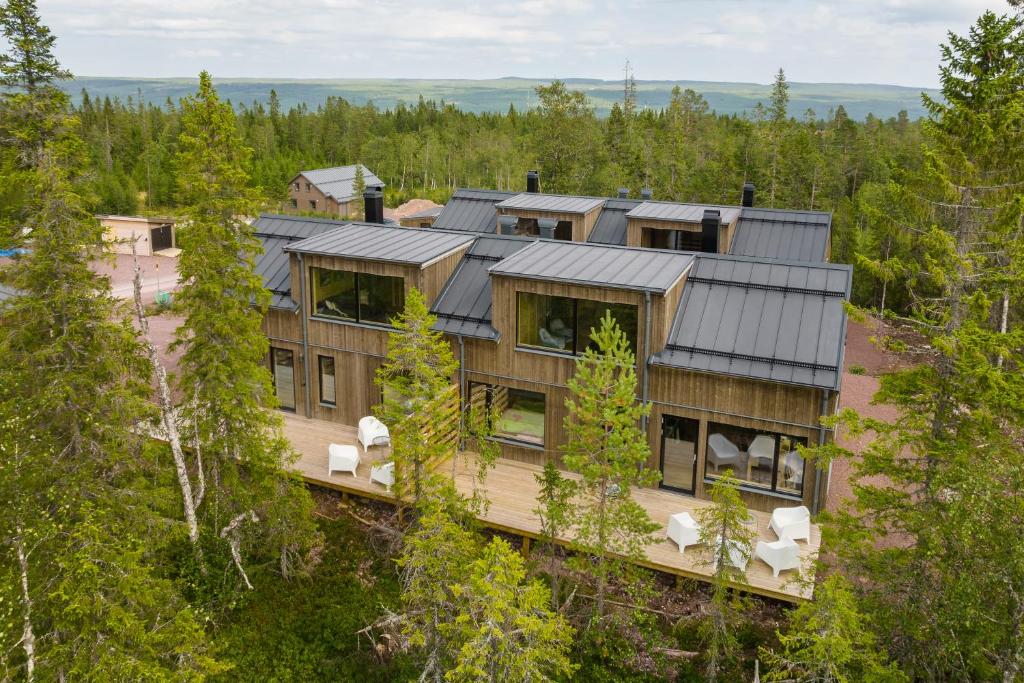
(841, 41)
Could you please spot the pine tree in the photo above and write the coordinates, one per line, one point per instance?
(778, 116)
(554, 498)
(359, 187)
(724, 528)
(251, 500)
(829, 641)
(414, 378)
(609, 451)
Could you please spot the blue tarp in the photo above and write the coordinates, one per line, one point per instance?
(12, 252)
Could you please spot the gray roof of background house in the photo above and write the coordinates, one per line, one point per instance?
(426, 213)
(596, 264)
(683, 213)
(775, 233)
(464, 305)
(763, 319)
(375, 242)
(471, 211)
(610, 227)
(277, 232)
(556, 203)
(339, 182)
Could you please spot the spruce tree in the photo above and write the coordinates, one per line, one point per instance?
(251, 500)
(609, 451)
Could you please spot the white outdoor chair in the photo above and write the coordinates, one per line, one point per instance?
(342, 459)
(791, 523)
(761, 451)
(722, 452)
(383, 474)
(373, 432)
(738, 555)
(684, 530)
(779, 555)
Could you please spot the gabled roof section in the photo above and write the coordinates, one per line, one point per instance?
(339, 182)
(598, 265)
(276, 232)
(555, 203)
(472, 211)
(779, 321)
(376, 242)
(432, 212)
(610, 227)
(775, 233)
(680, 213)
(464, 305)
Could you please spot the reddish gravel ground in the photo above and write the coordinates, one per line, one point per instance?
(159, 273)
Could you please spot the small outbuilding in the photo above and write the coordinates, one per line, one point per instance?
(151, 235)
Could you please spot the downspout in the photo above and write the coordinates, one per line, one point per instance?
(647, 355)
(822, 432)
(305, 337)
(462, 388)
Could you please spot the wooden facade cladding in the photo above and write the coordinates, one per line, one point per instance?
(324, 204)
(582, 224)
(635, 228)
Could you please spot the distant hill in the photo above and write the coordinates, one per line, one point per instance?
(859, 100)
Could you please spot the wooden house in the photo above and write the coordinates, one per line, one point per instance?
(329, 191)
(738, 332)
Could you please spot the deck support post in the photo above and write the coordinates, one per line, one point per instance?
(526, 547)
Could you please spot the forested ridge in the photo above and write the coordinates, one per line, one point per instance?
(151, 526)
(822, 161)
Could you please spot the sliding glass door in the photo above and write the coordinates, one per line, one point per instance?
(282, 366)
(679, 453)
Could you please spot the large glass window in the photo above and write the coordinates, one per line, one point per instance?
(561, 324)
(360, 297)
(679, 240)
(328, 391)
(762, 459)
(520, 413)
(679, 452)
(282, 367)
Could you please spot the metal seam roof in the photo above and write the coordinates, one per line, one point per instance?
(374, 242)
(528, 201)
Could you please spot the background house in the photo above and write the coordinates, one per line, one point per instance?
(330, 190)
(150, 234)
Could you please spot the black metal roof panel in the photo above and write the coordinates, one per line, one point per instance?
(276, 232)
(791, 235)
(464, 305)
(610, 227)
(376, 242)
(779, 321)
(432, 212)
(556, 203)
(597, 264)
(683, 213)
(472, 211)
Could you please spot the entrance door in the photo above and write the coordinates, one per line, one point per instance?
(161, 238)
(679, 453)
(282, 365)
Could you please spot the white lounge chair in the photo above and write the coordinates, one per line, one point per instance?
(738, 555)
(779, 555)
(342, 459)
(373, 432)
(722, 452)
(684, 530)
(383, 474)
(791, 523)
(761, 452)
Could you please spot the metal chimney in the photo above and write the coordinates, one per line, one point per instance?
(623, 193)
(748, 194)
(373, 205)
(507, 225)
(532, 182)
(709, 227)
(645, 194)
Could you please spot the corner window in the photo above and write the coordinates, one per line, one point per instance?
(520, 413)
(328, 391)
(678, 240)
(760, 459)
(527, 226)
(359, 297)
(679, 453)
(563, 325)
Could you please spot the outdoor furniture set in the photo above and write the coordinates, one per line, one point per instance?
(371, 432)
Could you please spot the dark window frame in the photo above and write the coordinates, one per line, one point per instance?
(273, 377)
(754, 486)
(576, 336)
(358, 318)
(488, 396)
(661, 461)
(320, 379)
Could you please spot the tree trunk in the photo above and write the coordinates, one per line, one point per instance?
(229, 534)
(28, 638)
(167, 417)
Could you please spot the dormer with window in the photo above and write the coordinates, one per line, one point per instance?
(681, 227)
(570, 219)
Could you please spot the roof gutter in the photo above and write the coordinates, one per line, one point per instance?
(305, 336)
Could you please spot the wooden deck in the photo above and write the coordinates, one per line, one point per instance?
(512, 491)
